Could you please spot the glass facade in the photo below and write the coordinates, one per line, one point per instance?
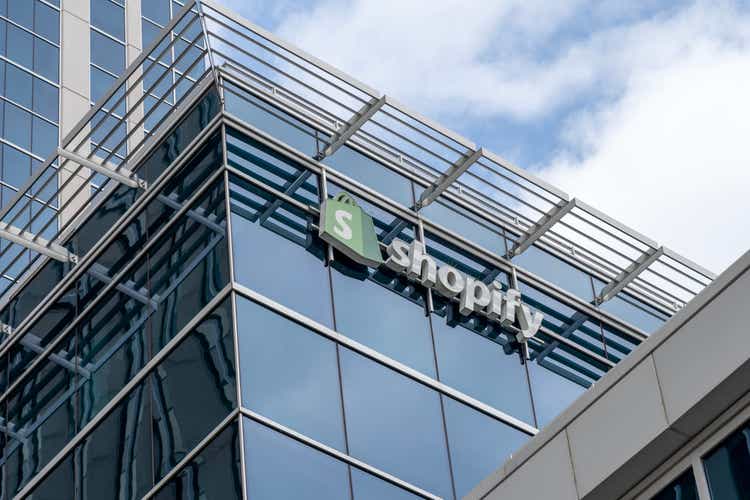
(728, 467)
(682, 488)
(207, 343)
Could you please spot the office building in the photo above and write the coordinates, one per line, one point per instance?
(186, 326)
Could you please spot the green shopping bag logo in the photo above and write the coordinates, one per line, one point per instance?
(350, 230)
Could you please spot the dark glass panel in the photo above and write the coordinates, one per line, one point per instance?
(368, 487)
(445, 252)
(289, 374)
(277, 252)
(618, 343)
(279, 467)
(59, 485)
(215, 474)
(270, 120)
(466, 225)
(115, 459)
(684, 488)
(482, 369)
(728, 467)
(272, 168)
(372, 174)
(552, 390)
(385, 312)
(194, 389)
(478, 444)
(395, 424)
(556, 271)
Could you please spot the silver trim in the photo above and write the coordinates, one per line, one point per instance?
(353, 125)
(629, 274)
(447, 178)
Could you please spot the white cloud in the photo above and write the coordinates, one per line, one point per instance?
(670, 156)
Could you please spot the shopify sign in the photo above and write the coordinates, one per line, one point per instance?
(350, 230)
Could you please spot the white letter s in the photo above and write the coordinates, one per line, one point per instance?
(342, 228)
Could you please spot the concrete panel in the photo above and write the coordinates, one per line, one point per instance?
(617, 426)
(79, 8)
(547, 474)
(76, 55)
(692, 363)
(72, 108)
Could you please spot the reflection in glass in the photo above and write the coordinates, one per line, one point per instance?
(482, 369)
(367, 487)
(728, 467)
(684, 488)
(552, 391)
(471, 227)
(556, 271)
(280, 467)
(289, 374)
(395, 424)
(478, 444)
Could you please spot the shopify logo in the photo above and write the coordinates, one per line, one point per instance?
(473, 295)
(346, 227)
(350, 230)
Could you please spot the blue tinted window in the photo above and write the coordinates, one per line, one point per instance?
(18, 86)
(46, 59)
(632, 311)
(370, 310)
(367, 487)
(22, 12)
(107, 53)
(156, 10)
(395, 424)
(482, 369)
(46, 99)
(44, 138)
(279, 467)
(728, 467)
(47, 22)
(372, 174)
(21, 46)
(17, 126)
(277, 253)
(150, 32)
(479, 444)
(477, 232)
(289, 374)
(557, 272)
(108, 17)
(552, 392)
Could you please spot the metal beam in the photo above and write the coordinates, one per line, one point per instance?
(578, 320)
(444, 181)
(542, 226)
(355, 123)
(33, 343)
(629, 274)
(101, 273)
(198, 214)
(36, 243)
(123, 176)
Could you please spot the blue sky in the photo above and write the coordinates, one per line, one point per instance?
(638, 108)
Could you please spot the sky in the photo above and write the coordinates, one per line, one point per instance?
(641, 109)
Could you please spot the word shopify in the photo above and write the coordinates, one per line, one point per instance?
(473, 295)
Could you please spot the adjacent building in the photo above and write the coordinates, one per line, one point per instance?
(180, 329)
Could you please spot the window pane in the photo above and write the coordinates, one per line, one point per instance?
(552, 392)
(684, 488)
(44, 138)
(370, 310)
(108, 17)
(466, 360)
(47, 22)
(22, 12)
(372, 174)
(636, 313)
(46, 59)
(277, 253)
(395, 424)
(367, 487)
(18, 126)
(728, 467)
(557, 272)
(107, 53)
(21, 46)
(467, 226)
(289, 374)
(156, 10)
(214, 474)
(479, 444)
(45, 99)
(18, 85)
(280, 467)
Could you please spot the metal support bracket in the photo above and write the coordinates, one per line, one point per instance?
(355, 123)
(444, 181)
(33, 343)
(629, 274)
(542, 226)
(123, 176)
(36, 243)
